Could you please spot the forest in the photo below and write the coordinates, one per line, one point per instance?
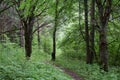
(59, 40)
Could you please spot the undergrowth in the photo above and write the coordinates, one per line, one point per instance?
(88, 72)
(14, 66)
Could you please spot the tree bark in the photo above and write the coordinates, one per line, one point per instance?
(87, 32)
(38, 36)
(54, 46)
(104, 14)
(103, 50)
(54, 32)
(92, 33)
(28, 27)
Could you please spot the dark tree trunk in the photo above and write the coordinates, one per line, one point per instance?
(54, 46)
(92, 33)
(38, 36)
(104, 14)
(54, 32)
(87, 32)
(103, 50)
(28, 27)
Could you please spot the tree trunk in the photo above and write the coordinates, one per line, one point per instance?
(54, 46)
(21, 38)
(28, 38)
(54, 32)
(38, 36)
(92, 33)
(103, 50)
(104, 14)
(87, 32)
(81, 32)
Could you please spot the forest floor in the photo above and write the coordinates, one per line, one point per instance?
(69, 72)
(40, 67)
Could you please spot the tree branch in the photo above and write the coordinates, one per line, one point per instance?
(6, 8)
(41, 12)
(42, 25)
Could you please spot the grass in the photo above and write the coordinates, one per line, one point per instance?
(14, 66)
(88, 72)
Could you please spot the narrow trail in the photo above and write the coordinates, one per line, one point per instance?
(74, 75)
(69, 72)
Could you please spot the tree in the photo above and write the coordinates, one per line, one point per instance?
(60, 11)
(104, 10)
(87, 32)
(28, 11)
(54, 31)
(92, 33)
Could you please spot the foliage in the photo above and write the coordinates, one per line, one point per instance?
(72, 43)
(88, 72)
(31, 7)
(45, 41)
(113, 42)
(13, 66)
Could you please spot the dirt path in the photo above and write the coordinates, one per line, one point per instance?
(74, 75)
(71, 73)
